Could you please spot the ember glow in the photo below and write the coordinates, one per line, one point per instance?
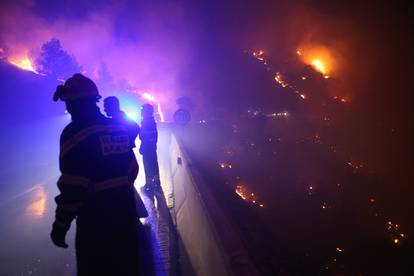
(395, 233)
(278, 114)
(340, 99)
(248, 196)
(279, 80)
(225, 165)
(260, 55)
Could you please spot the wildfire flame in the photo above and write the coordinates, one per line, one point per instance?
(248, 196)
(319, 66)
(259, 55)
(23, 62)
(319, 57)
(279, 79)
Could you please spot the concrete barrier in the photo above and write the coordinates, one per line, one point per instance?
(211, 243)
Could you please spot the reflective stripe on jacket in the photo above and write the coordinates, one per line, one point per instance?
(95, 157)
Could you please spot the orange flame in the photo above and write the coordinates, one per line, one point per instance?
(250, 197)
(319, 65)
(259, 55)
(319, 57)
(23, 62)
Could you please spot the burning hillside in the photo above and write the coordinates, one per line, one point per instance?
(301, 114)
(23, 62)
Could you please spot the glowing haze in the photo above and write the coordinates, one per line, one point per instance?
(319, 57)
(174, 50)
(139, 47)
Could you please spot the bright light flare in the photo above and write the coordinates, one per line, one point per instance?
(149, 97)
(132, 115)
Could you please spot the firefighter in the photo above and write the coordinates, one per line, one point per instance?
(113, 110)
(96, 186)
(148, 149)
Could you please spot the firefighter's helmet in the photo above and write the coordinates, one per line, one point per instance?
(76, 87)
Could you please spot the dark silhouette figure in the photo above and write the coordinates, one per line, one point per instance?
(96, 186)
(112, 108)
(148, 149)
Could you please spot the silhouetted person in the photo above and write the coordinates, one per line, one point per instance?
(113, 110)
(149, 137)
(96, 186)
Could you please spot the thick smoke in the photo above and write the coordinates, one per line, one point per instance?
(143, 46)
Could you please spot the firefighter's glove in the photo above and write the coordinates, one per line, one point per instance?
(58, 235)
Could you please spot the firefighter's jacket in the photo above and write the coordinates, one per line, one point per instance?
(98, 171)
(148, 136)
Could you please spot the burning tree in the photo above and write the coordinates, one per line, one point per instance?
(56, 62)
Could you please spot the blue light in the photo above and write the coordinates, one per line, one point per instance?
(132, 115)
(131, 106)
